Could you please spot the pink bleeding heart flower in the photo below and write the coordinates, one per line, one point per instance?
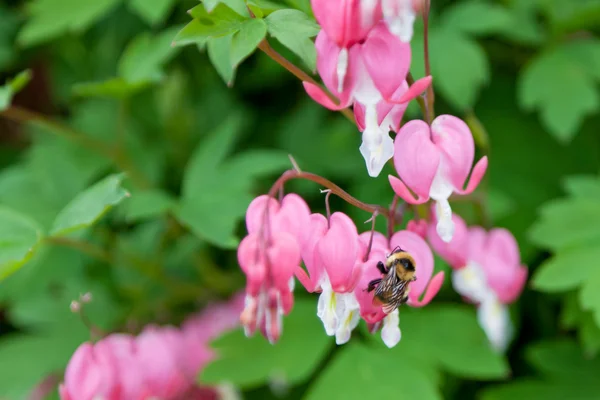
(435, 162)
(269, 256)
(334, 261)
(487, 272)
(416, 246)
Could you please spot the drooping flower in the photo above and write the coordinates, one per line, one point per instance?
(425, 285)
(333, 258)
(269, 256)
(434, 162)
(487, 271)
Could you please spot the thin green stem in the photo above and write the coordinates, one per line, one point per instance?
(84, 247)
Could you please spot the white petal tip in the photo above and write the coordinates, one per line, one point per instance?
(445, 229)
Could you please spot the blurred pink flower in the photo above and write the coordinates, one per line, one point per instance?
(487, 272)
(269, 256)
(417, 247)
(434, 162)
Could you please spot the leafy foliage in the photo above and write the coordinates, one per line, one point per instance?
(8, 90)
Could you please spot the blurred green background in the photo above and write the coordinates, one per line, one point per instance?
(104, 92)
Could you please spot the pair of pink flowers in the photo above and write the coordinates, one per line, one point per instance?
(363, 57)
(159, 363)
(338, 265)
(487, 271)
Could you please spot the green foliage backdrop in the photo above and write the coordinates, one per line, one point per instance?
(134, 135)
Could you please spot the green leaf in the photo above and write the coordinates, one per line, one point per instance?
(477, 17)
(252, 362)
(19, 238)
(90, 205)
(8, 90)
(144, 57)
(371, 371)
(453, 51)
(219, 53)
(117, 88)
(192, 33)
(52, 18)
(583, 186)
(152, 11)
(461, 348)
(589, 296)
(561, 87)
(239, 6)
(245, 41)
(219, 22)
(147, 204)
(294, 29)
(567, 270)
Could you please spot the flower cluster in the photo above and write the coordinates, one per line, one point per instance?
(159, 363)
(339, 263)
(363, 57)
(487, 271)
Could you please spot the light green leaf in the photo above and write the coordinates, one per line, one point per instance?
(252, 362)
(12, 86)
(460, 66)
(294, 29)
(567, 270)
(561, 88)
(257, 163)
(152, 11)
(368, 369)
(147, 204)
(219, 22)
(19, 238)
(219, 53)
(90, 205)
(117, 88)
(193, 33)
(52, 18)
(583, 186)
(145, 56)
(245, 41)
(477, 17)
(239, 6)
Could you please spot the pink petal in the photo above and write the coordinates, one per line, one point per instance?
(284, 257)
(127, 366)
(456, 251)
(502, 244)
(418, 226)
(318, 95)
(387, 59)
(338, 251)
(477, 238)
(370, 312)
(416, 159)
(327, 59)
(420, 251)
(476, 177)
(252, 262)
(255, 213)
(432, 289)
(512, 291)
(401, 190)
(453, 137)
(380, 242)
(416, 89)
(318, 228)
(359, 115)
(294, 217)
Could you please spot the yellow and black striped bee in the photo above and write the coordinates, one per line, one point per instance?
(392, 289)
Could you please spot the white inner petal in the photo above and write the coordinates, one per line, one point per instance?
(341, 68)
(377, 146)
(440, 191)
(349, 317)
(470, 282)
(278, 319)
(390, 333)
(328, 308)
(400, 18)
(292, 284)
(494, 319)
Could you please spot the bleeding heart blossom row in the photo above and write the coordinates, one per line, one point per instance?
(339, 264)
(159, 363)
(363, 58)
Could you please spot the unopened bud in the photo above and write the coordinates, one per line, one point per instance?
(85, 298)
(75, 306)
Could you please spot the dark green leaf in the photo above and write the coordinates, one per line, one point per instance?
(294, 29)
(477, 17)
(219, 22)
(589, 296)
(252, 362)
(239, 6)
(152, 11)
(19, 238)
(147, 204)
(52, 18)
(90, 205)
(8, 90)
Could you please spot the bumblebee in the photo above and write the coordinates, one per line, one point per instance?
(391, 290)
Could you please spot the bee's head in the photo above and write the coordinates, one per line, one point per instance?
(406, 262)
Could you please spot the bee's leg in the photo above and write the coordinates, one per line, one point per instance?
(373, 284)
(414, 278)
(404, 299)
(381, 267)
